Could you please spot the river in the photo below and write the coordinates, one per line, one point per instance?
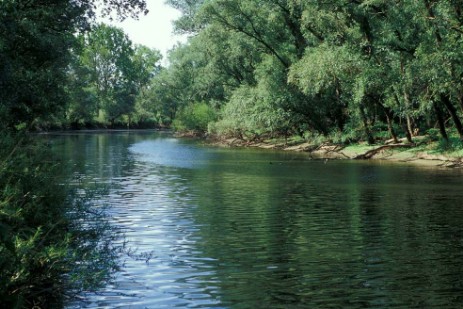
(244, 228)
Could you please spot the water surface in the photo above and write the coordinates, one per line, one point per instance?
(228, 228)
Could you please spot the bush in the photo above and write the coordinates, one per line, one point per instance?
(195, 117)
(434, 134)
(251, 112)
(454, 143)
(52, 242)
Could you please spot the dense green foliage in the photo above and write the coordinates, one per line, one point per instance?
(361, 69)
(35, 37)
(107, 78)
(194, 117)
(366, 69)
(36, 42)
(53, 242)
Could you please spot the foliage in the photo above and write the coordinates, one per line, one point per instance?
(53, 241)
(433, 134)
(374, 69)
(106, 54)
(451, 145)
(108, 77)
(195, 117)
(36, 39)
(252, 112)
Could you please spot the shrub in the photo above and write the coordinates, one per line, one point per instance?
(454, 143)
(433, 134)
(194, 117)
(53, 243)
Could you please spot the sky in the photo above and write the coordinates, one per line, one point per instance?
(155, 29)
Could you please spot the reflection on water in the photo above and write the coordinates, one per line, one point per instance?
(221, 228)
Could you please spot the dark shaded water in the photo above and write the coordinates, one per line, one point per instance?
(224, 228)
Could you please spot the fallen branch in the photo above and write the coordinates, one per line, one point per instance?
(370, 153)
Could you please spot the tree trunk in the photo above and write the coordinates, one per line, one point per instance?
(453, 113)
(440, 122)
(371, 153)
(390, 120)
(408, 133)
(341, 106)
(366, 127)
(409, 125)
(409, 130)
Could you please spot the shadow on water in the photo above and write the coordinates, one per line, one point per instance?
(221, 228)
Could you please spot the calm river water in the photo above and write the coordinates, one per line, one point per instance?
(228, 228)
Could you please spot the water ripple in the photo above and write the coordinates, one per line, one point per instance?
(226, 229)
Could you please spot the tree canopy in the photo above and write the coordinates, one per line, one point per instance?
(52, 243)
(361, 68)
(108, 75)
(37, 39)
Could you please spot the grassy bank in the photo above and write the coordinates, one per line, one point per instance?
(53, 242)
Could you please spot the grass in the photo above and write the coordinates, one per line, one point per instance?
(357, 149)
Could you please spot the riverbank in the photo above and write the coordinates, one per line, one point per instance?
(423, 152)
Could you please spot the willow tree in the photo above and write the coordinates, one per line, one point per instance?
(439, 57)
(270, 31)
(330, 66)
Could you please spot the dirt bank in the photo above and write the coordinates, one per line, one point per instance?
(420, 154)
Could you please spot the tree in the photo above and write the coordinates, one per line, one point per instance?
(36, 38)
(108, 56)
(330, 66)
(440, 54)
(146, 67)
(188, 22)
(108, 76)
(45, 230)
